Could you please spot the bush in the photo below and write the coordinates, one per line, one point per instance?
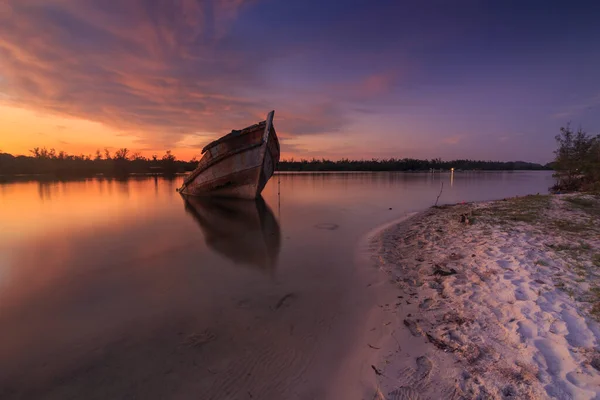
(577, 161)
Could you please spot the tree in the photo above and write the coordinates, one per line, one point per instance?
(168, 163)
(577, 159)
(137, 156)
(122, 154)
(168, 156)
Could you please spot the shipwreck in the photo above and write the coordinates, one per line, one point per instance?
(238, 164)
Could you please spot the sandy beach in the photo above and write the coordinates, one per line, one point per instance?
(494, 300)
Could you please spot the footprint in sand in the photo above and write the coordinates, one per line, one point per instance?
(505, 294)
(413, 327)
(523, 293)
(426, 304)
(557, 362)
(424, 367)
(579, 333)
(416, 381)
(504, 263)
(527, 329)
(559, 327)
(404, 393)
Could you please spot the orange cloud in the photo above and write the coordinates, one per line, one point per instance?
(455, 139)
(162, 74)
(378, 84)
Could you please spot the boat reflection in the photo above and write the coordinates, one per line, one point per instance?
(245, 231)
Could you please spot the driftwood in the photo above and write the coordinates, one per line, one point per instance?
(438, 197)
(377, 371)
(283, 299)
(439, 271)
(440, 344)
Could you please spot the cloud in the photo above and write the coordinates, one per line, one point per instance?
(163, 71)
(371, 86)
(455, 139)
(578, 109)
(325, 117)
(160, 68)
(377, 84)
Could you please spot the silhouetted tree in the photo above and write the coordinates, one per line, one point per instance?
(121, 154)
(168, 163)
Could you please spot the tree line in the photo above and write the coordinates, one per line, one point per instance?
(61, 164)
(405, 164)
(123, 162)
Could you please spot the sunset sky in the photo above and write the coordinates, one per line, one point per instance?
(357, 79)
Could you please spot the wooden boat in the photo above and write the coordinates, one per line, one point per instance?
(237, 165)
(246, 232)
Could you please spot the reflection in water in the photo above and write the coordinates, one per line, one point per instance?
(244, 231)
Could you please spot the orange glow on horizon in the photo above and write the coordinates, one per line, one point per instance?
(21, 130)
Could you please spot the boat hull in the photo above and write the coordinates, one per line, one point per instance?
(239, 166)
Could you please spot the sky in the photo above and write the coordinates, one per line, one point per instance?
(358, 79)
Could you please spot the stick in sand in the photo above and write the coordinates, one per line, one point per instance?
(436, 200)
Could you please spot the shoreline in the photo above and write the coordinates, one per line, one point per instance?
(505, 305)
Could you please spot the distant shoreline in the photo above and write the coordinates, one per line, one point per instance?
(123, 162)
(50, 176)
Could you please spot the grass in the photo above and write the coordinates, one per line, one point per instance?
(596, 260)
(573, 251)
(580, 270)
(542, 263)
(520, 209)
(595, 311)
(581, 202)
(586, 204)
(570, 226)
(563, 247)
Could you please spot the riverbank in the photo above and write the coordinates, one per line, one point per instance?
(495, 300)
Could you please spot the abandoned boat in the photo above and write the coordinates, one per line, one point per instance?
(246, 232)
(237, 165)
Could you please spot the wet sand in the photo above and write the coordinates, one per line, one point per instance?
(503, 305)
(268, 342)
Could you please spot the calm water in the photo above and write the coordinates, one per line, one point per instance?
(122, 289)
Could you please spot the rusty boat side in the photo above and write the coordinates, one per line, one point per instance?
(238, 164)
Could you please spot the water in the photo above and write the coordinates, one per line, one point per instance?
(121, 289)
